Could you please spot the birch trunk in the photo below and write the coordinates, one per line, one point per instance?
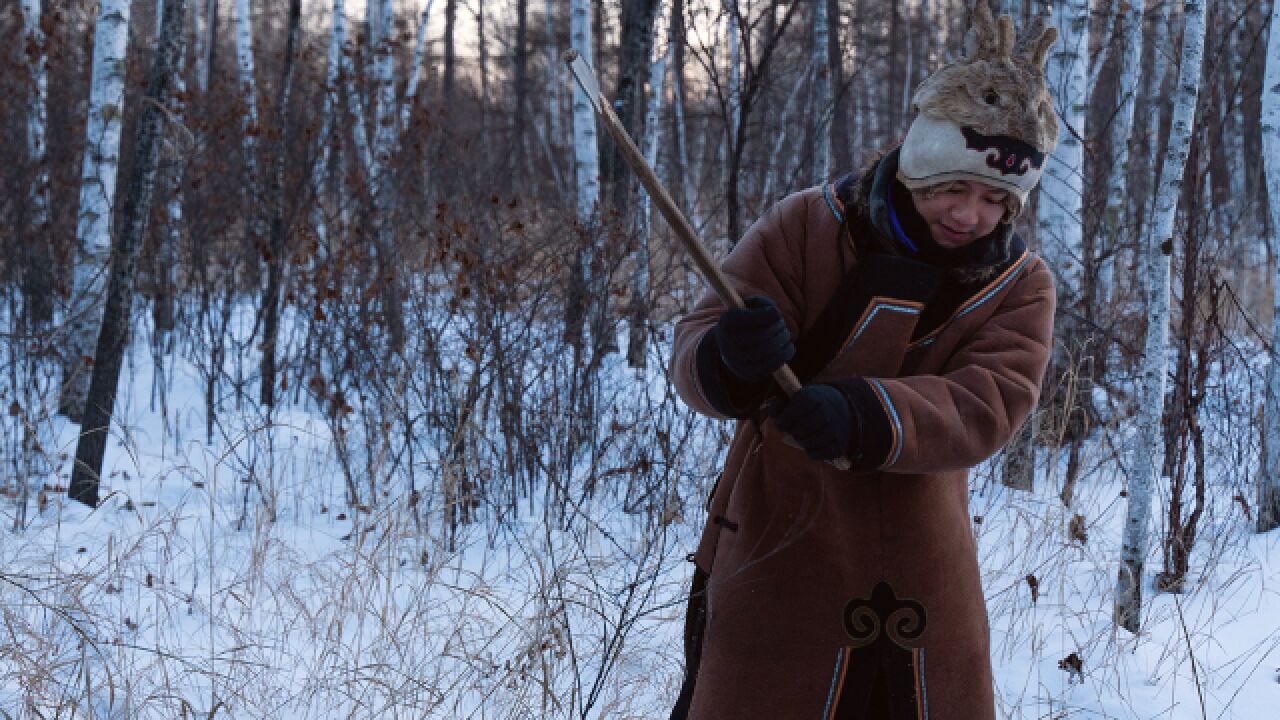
(821, 111)
(171, 238)
(841, 138)
(277, 256)
(638, 339)
(1269, 478)
(678, 168)
(37, 270)
(97, 197)
(355, 109)
(415, 74)
(1129, 28)
(1148, 450)
(249, 124)
(206, 40)
(586, 157)
(520, 86)
(320, 170)
(733, 119)
(1059, 222)
(554, 129)
(1153, 79)
(384, 190)
(112, 339)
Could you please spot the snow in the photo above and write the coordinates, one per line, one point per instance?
(231, 578)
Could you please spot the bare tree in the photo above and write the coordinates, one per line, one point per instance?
(124, 258)
(276, 256)
(587, 173)
(1148, 449)
(97, 198)
(1269, 477)
(37, 280)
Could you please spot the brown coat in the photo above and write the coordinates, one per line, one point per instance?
(835, 592)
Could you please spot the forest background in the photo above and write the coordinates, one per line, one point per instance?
(348, 331)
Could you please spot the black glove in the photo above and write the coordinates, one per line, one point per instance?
(754, 341)
(819, 419)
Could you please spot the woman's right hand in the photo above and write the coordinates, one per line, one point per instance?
(754, 340)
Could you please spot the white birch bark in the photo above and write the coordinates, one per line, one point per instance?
(1147, 450)
(821, 112)
(319, 171)
(172, 236)
(1269, 478)
(249, 95)
(554, 129)
(37, 94)
(415, 74)
(652, 138)
(384, 73)
(1060, 221)
(1129, 28)
(355, 105)
(735, 74)
(204, 42)
(1153, 80)
(586, 152)
(97, 197)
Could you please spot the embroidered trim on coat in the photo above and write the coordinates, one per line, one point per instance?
(892, 412)
(881, 675)
(832, 201)
(978, 299)
(876, 304)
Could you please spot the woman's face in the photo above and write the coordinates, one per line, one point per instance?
(961, 212)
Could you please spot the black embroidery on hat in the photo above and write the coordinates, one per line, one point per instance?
(1012, 156)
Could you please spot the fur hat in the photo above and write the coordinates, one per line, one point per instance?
(988, 116)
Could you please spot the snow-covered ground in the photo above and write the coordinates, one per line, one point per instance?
(232, 579)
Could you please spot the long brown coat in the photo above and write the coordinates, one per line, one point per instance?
(856, 594)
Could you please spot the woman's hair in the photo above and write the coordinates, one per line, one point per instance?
(1012, 206)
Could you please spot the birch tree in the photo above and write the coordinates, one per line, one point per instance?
(384, 190)
(1059, 222)
(1147, 450)
(821, 106)
(319, 170)
(249, 121)
(586, 161)
(1269, 478)
(415, 70)
(37, 278)
(171, 236)
(639, 335)
(1128, 26)
(97, 197)
(114, 333)
(276, 257)
(206, 41)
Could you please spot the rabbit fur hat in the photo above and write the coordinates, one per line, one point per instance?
(988, 116)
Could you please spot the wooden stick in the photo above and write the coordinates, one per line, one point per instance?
(586, 77)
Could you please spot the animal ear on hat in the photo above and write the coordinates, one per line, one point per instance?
(988, 38)
(1035, 43)
(983, 38)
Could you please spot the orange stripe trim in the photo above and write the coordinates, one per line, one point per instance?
(876, 303)
(974, 300)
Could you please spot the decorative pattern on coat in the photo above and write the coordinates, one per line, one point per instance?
(881, 675)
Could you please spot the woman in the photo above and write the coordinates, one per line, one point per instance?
(920, 326)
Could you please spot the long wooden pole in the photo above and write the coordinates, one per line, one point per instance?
(586, 78)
